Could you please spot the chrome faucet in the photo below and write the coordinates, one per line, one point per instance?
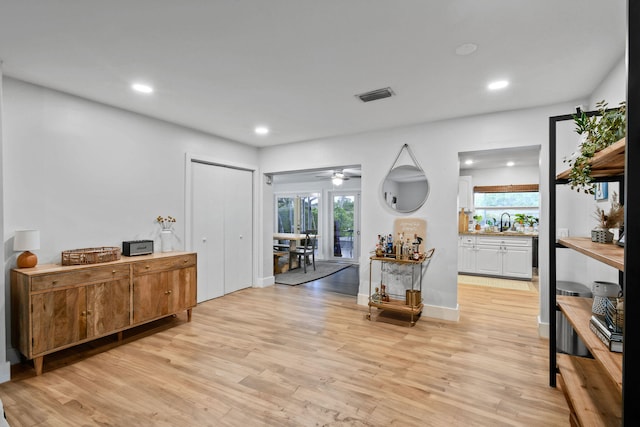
(505, 226)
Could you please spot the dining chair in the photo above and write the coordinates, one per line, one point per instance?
(305, 251)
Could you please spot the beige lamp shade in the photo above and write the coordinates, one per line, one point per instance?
(26, 240)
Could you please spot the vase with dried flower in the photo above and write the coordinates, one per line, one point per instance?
(166, 232)
(607, 220)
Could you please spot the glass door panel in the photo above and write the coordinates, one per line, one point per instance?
(346, 229)
(297, 213)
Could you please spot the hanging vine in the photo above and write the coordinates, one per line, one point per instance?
(598, 132)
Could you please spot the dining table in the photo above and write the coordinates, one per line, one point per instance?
(292, 238)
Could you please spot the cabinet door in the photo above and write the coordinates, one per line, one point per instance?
(465, 193)
(517, 262)
(182, 289)
(108, 307)
(467, 259)
(489, 260)
(58, 318)
(150, 296)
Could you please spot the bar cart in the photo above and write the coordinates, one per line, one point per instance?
(404, 297)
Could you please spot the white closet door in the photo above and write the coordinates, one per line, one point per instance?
(222, 228)
(238, 230)
(207, 211)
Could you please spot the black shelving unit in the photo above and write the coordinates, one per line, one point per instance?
(630, 197)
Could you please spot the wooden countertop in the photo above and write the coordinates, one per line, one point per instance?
(497, 233)
(53, 268)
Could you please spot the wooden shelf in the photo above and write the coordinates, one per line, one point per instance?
(605, 163)
(608, 253)
(577, 310)
(594, 399)
(397, 306)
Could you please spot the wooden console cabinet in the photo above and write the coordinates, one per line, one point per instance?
(55, 307)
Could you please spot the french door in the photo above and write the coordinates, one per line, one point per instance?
(297, 213)
(345, 225)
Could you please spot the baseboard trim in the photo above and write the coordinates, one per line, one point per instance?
(443, 313)
(543, 329)
(263, 282)
(5, 372)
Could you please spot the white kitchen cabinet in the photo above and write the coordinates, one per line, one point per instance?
(517, 262)
(489, 260)
(496, 255)
(465, 193)
(466, 254)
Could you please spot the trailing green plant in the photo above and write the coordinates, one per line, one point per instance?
(598, 132)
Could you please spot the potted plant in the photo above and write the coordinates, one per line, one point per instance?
(531, 221)
(489, 224)
(612, 219)
(520, 219)
(477, 219)
(597, 132)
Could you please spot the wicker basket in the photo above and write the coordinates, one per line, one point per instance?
(90, 255)
(614, 314)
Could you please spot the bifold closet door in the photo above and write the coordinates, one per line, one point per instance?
(238, 271)
(207, 216)
(222, 228)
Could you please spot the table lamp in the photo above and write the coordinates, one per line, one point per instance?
(26, 240)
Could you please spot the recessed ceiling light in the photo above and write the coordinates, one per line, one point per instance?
(142, 88)
(466, 49)
(499, 84)
(261, 130)
(510, 164)
(468, 162)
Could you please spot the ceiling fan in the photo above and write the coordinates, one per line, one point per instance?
(338, 176)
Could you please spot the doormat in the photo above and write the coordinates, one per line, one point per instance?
(298, 276)
(494, 282)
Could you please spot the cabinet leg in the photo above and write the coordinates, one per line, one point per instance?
(38, 362)
(188, 315)
(120, 336)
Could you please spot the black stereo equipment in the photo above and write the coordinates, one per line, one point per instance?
(137, 247)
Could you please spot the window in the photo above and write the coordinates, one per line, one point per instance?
(491, 202)
(296, 213)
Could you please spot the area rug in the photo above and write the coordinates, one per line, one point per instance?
(493, 282)
(298, 276)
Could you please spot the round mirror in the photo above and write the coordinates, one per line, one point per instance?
(405, 189)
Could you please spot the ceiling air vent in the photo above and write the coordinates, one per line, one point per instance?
(376, 94)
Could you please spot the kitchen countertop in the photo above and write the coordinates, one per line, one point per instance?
(497, 233)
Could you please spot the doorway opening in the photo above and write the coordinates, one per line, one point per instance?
(326, 200)
(498, 198)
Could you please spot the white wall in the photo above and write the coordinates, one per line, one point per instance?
(613, 87)
(436, 146)
(503, 176)
(87, 175)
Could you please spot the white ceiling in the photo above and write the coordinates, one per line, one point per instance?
(225, 66)
(495, 159)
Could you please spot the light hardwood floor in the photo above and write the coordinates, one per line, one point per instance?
(296, 356)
